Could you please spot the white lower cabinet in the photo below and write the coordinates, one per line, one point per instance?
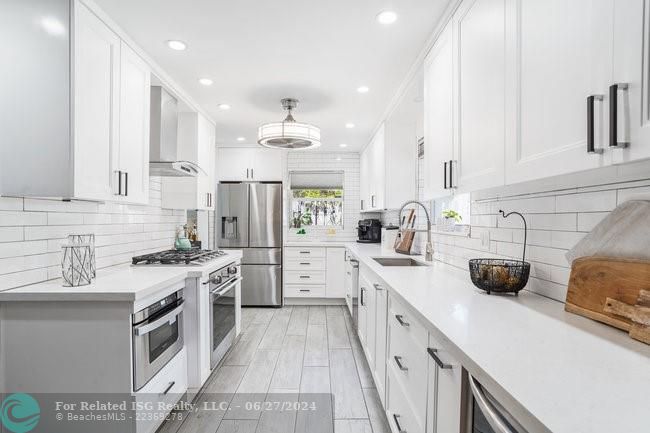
(444, 400)
(166, 388)
(314, 272)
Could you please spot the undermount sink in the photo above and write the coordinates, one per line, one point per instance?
(394, 261)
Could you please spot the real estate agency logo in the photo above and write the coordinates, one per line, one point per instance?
(20, 413)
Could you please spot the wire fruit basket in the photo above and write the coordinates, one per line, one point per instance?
(501, 275)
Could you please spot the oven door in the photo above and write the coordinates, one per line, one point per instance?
(155, 342)
(222, 320)
(487, 415)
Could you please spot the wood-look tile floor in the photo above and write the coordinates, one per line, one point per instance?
(284, 354)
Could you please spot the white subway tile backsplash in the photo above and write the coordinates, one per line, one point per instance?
(587, 202)
(32, 232)
(587, 221)
(626, 194)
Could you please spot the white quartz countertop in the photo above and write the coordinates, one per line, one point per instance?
(572, 374)
(119, 283)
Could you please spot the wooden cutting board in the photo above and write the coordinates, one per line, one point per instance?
(613, 291)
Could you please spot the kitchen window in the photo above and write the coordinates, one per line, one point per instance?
(316, 198)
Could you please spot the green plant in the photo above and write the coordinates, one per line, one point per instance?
(449, 213)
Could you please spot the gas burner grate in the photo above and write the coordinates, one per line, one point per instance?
(175, 257)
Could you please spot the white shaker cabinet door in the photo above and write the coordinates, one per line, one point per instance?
(234, 164)
(206, 183)
(267, 165)
(559, 53)
(438, 116)
(96, 104)
(479, 74)
(631, 67)
(336, 273)
(364, 170)
(135, 89)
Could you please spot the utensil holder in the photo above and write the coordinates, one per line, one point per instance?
(75, 265)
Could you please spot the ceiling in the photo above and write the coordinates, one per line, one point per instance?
(259, 51)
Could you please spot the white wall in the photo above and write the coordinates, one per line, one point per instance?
(349, 163)
(33, 230)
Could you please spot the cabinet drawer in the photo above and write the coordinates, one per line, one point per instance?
(399, 407)
(305, 264)
(306, 277)
(168, 386)
(405, 324)
(408, 361)
(294, 252)
(301, 291)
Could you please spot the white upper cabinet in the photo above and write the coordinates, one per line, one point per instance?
(479, 76)
(196, 143)
(560, 53)
(249, 164)
(438, 116)
(133, 159)
(96, 107)
(631, 66)
(364, 173)
(378, 169)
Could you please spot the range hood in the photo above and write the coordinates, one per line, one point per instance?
(163, 149)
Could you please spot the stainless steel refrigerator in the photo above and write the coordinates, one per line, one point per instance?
(249, 218)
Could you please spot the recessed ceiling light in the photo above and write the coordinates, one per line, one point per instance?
(241, 138)
(363, 89)
(343, 145)
(349, 125)
(338, 158)
(177, 45)
(53, 26)
(386, 17)
(224, 107)
(205, 81)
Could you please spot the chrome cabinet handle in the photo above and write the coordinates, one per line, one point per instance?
(247, 173)
(451, 174)
(305, 277)
(399, 427)
(126, 184)
(445, 174)
(401, 320)
(363, 289)
(433, 353)
(171, 385)
(252, 173)
(590, 123)
(305, 263)
(398, 361)
(305, 290)
(145, 329)
(119, 182)
(490, 412)
(613, 115)
(378, 286)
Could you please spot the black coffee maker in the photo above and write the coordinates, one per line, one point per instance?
(369, 231)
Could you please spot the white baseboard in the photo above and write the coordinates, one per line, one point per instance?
(314, 301)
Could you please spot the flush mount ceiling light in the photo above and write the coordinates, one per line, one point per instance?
(224, 107)
(205, 81)
(386, 17)
(289, 134)
(177, 45)
(349, 125)
(363, 89)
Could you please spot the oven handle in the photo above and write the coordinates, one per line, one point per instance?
(145, 329)
(221, 290)
(490, 412)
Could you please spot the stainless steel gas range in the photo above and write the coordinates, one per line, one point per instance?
(178, 257)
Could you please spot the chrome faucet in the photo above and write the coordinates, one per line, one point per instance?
(429, 247)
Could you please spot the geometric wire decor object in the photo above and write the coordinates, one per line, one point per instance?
(289, 134)
(75, 265)
(88, 239)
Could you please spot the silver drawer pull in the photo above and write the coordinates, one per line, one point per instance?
(398, 361)
(305, 263)
(401, 320)
(304, 277)
(396, 418)
(305, 290)
(433, 354)
(305, 252)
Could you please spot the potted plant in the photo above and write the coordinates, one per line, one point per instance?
(450, 219)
